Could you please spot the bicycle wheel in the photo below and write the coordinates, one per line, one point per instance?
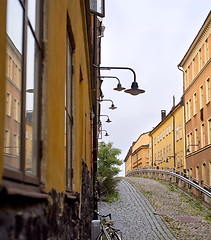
(101, 236)
(112, 236)
(115, 236)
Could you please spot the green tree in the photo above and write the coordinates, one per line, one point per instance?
(108, 166)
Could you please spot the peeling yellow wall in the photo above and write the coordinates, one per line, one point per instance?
(2, 77)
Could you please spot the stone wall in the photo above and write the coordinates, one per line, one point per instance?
(55, 218)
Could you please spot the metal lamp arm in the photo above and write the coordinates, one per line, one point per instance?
(109, 77)
(122, 68)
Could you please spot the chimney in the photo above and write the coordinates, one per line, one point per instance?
(163, 114)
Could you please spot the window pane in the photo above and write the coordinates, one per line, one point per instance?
(13, 84)
(30, 163)
(15, 23)
(32, 12)
(97, 6)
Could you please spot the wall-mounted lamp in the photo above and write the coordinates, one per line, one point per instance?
(112, 107)
(119, 86)
(108, 119)
(106, 134)
(30, 90)
(134, 90)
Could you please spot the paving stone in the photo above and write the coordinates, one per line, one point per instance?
(147, 209)
(134, 215)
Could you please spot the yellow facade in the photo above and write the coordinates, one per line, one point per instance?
(55, 90)
(52, 144)
(128, 162)
(61, 18)
(167, 141)
(138, 154)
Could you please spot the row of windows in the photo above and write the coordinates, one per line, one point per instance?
(197, 140)
(13, 72)
(140, 155)
(12, 107)
(11, 146)
(164, 154)
(202, 172)
(165, 133)
(179, 132)
(204, 97)
(197, 63)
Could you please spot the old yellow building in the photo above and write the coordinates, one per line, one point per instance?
(128, 161)
(47, 51)
(138, 154)
(167, 140)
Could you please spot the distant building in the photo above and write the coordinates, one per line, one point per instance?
(167, 140)
(128, 161)
(196, 67)
(138, 155)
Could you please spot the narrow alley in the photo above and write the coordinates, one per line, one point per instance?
(151, 210)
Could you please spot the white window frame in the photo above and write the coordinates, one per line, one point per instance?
(208, 91)
(202, 142)
(201, 96)
(194, 104)
(8, 103)
(209, 130)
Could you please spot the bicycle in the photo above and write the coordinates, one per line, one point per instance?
(108, 232)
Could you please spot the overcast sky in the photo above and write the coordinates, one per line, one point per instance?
(151, 37)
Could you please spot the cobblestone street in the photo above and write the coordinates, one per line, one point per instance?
(158, 207)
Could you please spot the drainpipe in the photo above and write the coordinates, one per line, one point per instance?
(152, 151)
(181, 69)
(95, 122)
(174, 144)
(185, 144)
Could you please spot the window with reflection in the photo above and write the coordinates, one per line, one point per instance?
(22, 87)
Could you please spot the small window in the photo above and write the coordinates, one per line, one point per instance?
(202, 136)
(194, 104)
(200, 59)
(180, 131)
(209, 131)
(201, 97)
(208, 91)
(6, 142)
(177, 133)
(8, 104)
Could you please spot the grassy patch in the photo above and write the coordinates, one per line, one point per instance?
(110, 198)
(208, 217)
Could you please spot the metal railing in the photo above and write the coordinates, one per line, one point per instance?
(179, 177)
